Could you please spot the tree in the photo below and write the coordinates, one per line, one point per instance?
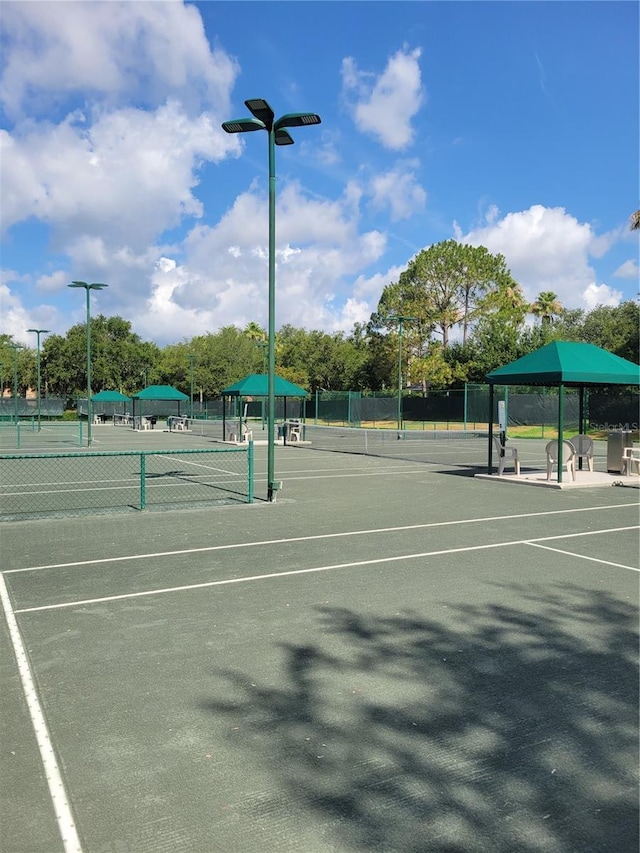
(444, 286)
(634, 222)
(614, 328)
(547, 307)
(119, 358)
(25, 359)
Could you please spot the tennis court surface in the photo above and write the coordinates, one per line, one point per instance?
(393, 657)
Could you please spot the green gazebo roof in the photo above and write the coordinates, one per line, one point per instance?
(110, 397)
(256, 385)
(160, 392)
(567, 363)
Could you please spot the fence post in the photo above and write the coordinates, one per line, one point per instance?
(18, 434)
(143, 477)
(465, 407)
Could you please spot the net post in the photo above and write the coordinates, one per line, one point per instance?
(250, 473)
(143, 478)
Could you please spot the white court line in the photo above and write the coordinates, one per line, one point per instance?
(263, 542)
(583, 557)
(62, 809)
(197, 464)
(315, 569)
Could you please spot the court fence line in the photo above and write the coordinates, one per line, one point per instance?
(52, 484)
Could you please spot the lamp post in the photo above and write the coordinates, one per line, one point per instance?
(264, 119)
(400, 321)
(15, 348)
(191, 358)
(264, 347)
(38, 332)
(88, 288)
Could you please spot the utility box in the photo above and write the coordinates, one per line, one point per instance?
(616, 443)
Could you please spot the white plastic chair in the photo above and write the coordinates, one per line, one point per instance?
(630, 457)
(503, 457)
(584, 448)
(568, 457)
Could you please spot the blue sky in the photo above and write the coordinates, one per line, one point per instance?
(508, 125)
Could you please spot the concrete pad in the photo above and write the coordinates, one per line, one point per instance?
(583, 479)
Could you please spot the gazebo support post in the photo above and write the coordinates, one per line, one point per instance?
(490, 467)
(582, 426)
(224, 417)
(560, 428)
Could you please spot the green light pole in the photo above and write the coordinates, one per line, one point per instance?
(264, 119)
(39, 332)
(191, 358)
(400, 321)
(264, 347)
(88, 288)
(15, 348)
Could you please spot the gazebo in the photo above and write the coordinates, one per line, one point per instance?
(256, 385)
(563, 364)
(110, 399)
(158, 393)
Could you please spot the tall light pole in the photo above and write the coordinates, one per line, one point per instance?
(39, 332)
(191, 358)
(15, 348)
(264, 347)
(400, 321)
(88, 288)
(264, 119)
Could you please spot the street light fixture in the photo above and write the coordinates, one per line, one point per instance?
(400, 320)
(264, 119)
(88, 288)
(39, 332)
(191, 358)
(15, 348)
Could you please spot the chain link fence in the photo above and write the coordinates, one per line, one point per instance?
(56, 484)
(24, 434)
(50, 407)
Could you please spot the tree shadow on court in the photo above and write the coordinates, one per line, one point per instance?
(509, 728)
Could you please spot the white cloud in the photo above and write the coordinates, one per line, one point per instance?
(384, 106)
(398, 190)
(54, 282)
(127, 177)
(115, 50)
(224, 275)
(545, 248)
(629, 269)
(602, 294)
(16, 319)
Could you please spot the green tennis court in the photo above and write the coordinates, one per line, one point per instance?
(393, 657)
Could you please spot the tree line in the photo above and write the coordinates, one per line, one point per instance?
(454, 314)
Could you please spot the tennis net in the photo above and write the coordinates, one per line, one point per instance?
(123, 419)
(460, 448)
(208, 428)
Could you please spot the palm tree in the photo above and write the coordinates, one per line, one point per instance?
(547, 307)
(634, 221)
(255, 332)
